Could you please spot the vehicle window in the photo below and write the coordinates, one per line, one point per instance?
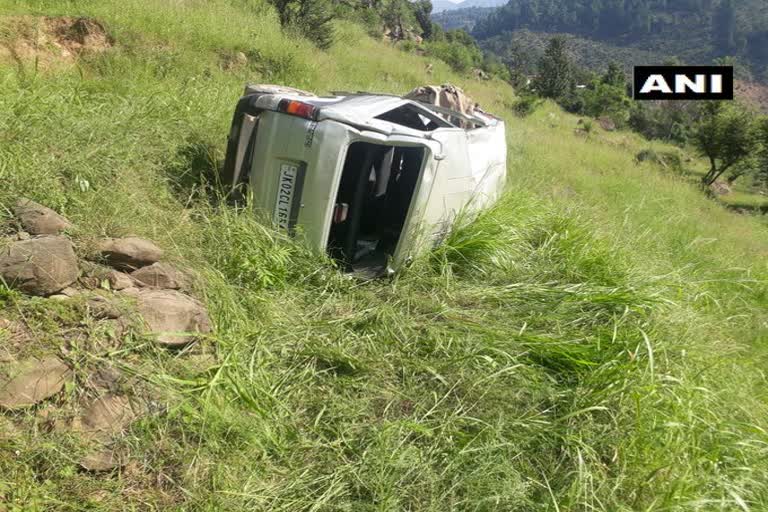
(411, 116)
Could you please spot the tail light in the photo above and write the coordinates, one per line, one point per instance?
(297, 108)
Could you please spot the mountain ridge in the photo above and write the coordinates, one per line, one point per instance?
(692, 32)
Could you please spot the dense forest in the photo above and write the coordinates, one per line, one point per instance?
(694, 31)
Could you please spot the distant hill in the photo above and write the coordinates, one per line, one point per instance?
(465, 18)
(447, 5)
(693, 31)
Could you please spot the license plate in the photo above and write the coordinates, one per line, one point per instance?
(289, 174)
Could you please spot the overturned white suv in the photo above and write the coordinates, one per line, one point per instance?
(369, 178)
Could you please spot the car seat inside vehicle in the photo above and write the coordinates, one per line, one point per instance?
(372, 203)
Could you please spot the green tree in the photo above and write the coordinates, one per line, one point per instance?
(311, 18)
(761, 174)
(603, 99)
(555, 73)
(422, 9)
(615, 76)
(726, 135)
(724, 25)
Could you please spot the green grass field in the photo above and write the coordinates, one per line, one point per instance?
(597, 341)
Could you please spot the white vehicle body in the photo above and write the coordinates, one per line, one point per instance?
(369, 178)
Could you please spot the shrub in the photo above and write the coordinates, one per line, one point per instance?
(526, 105)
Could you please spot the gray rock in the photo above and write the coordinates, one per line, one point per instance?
(172, 317)
(70, 292)
(129, 253)
(131, 291)
(40, 266)
(101, 460)
(106, 417)
(119, 280)
(38, 219)
(35, 381)
(160, 275)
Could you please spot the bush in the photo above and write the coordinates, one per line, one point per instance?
(457, 49)
(526, 105)
(669, 160)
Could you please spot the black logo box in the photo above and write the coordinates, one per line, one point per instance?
(670, 74)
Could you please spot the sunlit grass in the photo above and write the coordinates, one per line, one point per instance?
(593, 342)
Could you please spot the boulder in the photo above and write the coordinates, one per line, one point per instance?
(37, 219)
(172, 317)
(35, 381)
(131, 291)
(129, 253)
(39, 266)
(119, 280)
(159, 275)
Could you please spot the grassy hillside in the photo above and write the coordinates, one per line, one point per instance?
(595, 342)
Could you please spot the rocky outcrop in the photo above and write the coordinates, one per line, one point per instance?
(39, 266)
(99, 310)
(35, 380)
(174, 319)
(37, 219)
(129, 253)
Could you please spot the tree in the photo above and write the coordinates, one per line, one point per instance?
(555, 77)
(724, 22)
(604, 99)
(614, 76)
(422, 10)
(761, 174)
(726, 135)
(311, 18)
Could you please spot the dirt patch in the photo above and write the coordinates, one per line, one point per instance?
(753, 94)
(51, 41)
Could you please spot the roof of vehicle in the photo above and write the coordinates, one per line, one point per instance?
(362, 109)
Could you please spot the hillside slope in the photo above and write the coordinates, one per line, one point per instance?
(693, 32)
(595, 342)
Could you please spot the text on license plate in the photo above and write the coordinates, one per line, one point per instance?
(287, 185)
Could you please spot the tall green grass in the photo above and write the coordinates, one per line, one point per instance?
(593, 342)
